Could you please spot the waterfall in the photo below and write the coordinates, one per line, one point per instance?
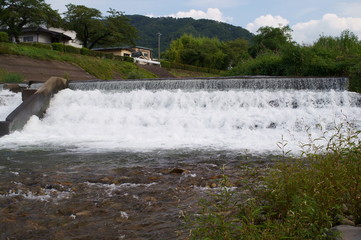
(217, 84)
(244, 120)
(8, 102)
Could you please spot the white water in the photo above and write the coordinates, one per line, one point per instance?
(8, 102)
(241, 120)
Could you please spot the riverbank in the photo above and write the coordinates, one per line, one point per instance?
(38, 63)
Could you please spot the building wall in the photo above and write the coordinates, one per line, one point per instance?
(46, 37)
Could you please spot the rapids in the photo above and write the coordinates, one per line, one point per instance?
(241, 120)
(8, 102)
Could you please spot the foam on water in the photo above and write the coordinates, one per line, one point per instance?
(242, 120)
(8, 102)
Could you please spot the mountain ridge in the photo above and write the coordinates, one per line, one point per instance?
(173, 28)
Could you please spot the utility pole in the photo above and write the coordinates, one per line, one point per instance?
(159, 34)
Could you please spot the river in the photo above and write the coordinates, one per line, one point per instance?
(123, 163)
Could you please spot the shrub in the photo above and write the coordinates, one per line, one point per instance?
(42, 45)
(37, 45)
(134, 75)
(10, 77)
(108, 55)
(58, 47)
(298, 199)
(123, 58)
(4, 37)
(128, 59)
(85, 51)
(71, 49)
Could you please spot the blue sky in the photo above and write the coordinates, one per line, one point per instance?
(308, 18)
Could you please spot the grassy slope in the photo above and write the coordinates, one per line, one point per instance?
(100, 68)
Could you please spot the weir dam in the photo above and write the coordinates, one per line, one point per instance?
(250, 114)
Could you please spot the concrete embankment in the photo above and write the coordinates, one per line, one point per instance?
(35, 104)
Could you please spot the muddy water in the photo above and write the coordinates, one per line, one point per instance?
(123, 195)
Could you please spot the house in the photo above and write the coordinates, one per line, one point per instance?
(49, 35)
(138, 52)
(141, 55)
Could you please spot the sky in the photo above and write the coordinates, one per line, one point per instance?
(309, 19)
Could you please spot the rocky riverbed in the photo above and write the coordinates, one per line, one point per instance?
(105, 200)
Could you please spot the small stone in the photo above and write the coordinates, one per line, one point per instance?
(34, 226)
(105, 180)
(213, 185)
(83, 213)
(155, 178)
(216, 177)
(151, 199)
(177, 171)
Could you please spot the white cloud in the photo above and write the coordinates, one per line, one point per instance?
(329, 25)
(212, 13)
(266, 20)
(309, 32)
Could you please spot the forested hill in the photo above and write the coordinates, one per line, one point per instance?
(173, 28)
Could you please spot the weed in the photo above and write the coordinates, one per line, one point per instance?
(301, 199)
(10, 77)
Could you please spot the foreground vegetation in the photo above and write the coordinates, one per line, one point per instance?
(298, 198)
(99, 67)
(10, 77)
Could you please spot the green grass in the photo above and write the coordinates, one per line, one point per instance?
(297, 199)
(98, 67)
(10, 77)
(189, 74)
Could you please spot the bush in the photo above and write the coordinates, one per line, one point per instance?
(267, 64)
(123, 58)
(355, 77)
(58, 47)
(10, 77)
(37, 45)
(298, 199)
(4, 37)
(135, 75)
(71, 49)
(108, 55)
(65, 48)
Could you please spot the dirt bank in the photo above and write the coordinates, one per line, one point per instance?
(41, 70)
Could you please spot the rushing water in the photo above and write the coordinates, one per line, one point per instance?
(100, 158)
(252, 121)
(8, 102)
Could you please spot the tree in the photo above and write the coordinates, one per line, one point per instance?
(271, 39)
(93, 29)
(17, 14)
(198, 51)
(236, 50)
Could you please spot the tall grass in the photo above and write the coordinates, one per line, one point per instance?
(10, 77)
(298, 198)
